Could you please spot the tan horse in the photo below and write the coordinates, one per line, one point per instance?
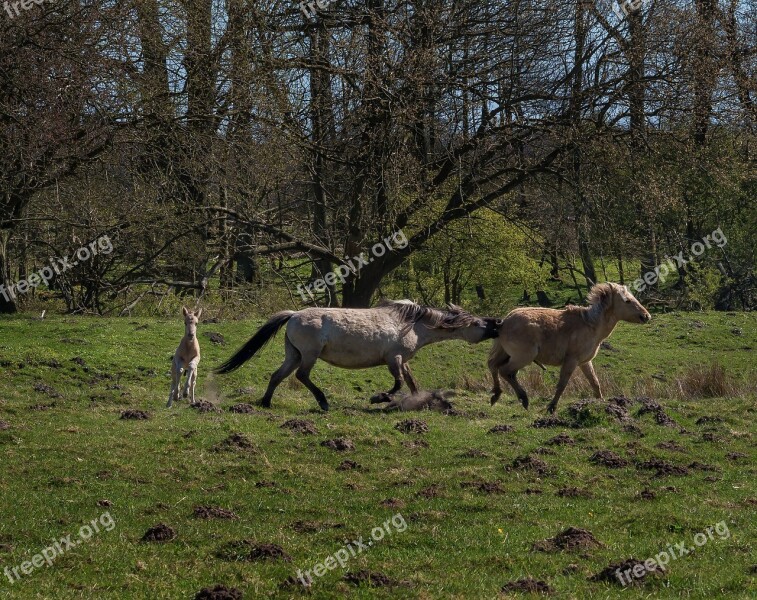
(567, 338)
(359, 338)
(187, 356)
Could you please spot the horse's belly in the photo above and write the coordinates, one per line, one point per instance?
(350, 359)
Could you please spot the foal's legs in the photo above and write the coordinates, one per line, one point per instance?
(175, 381)
(588, 370)
(189, 386)
(396, 368)
(409, 379)
(292, 359)
(565, 372)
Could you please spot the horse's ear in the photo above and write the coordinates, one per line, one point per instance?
(184, 311)
(198, 313)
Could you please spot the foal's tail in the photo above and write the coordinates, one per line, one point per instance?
(256, 342)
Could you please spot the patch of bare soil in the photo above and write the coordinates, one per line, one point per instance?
(485, 487)
(370, 578)
(610, 572)
(296, 583)
(671, 445)
(551, 421)
(474, 453)
(528, 585)
(4, 425)
(134, 415)
(432, 491)
(349, 465)
(236, 441)
(43, 388)
(532, 491)
(562, 439)
(501, 429)
(393, 503)
(214, 512)
(251, 551)
(574, 492)
(663, 468)
(219, 592)
(415, 444)
(204, 406)
(339, 444)
(652, 406)
(159, 533)
(573, 538)
(618, 411)
(647, 494)
(412, 426)
(710, 437)
(245, 409)
(215, 338)
(708, 420)
(698, 466)
(730, 456)
(545, 451)
(530, 463)
(314, 526)
(607, 458)
(104, 503)
(303, 426)
(266, 484)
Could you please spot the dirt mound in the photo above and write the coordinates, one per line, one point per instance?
(544, 422)
(562, 439)
(652, 406)
(615, 571)
(43, 388)
(530, 463)
(213, 512)
(647, 494)
(415, 444)
(204, 406)
(392, 503)
(501, 429)
(339, 444)
(219, 592)
(432, 491)
(573, 538)
(302, 426)
(245, 409)
(159, 533)
(574, 492)
(607, 458)
(528, 586)
(708, 420)
(473, 453)
(485, 487)
(349, 465)
(251, 551)
(266, 484)
(134, 415)
(412, 426)
(698, 466)
(236, 441)
(370, 578)
(663, 467)
(671, 445)
(730, 456)
(314, 526)
(215, 338)
(4, 425)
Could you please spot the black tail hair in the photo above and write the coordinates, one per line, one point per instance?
(256, 342)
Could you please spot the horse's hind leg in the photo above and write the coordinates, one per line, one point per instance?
(517, 388)
(292, 360)
(588, 370)
(509, 371)
(497, 358)
(565, 372)
(303, 374)
(175, 382)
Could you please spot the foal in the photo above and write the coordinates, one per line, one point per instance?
(567, 338)
(187, 356)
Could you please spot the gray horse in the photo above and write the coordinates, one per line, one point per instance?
(359, 338)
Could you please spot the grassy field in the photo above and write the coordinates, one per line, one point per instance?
(473, 504)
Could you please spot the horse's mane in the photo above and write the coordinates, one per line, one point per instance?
(411, 313)
(599, 299)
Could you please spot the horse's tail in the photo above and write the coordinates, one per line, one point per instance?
(497, 356)
(256, 342)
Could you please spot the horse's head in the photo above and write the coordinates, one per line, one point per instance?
(621, 302)
(474, 329)
(190, 322)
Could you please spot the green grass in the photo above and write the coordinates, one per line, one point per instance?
(60, 462)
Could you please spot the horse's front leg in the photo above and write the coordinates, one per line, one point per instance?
(175, 380)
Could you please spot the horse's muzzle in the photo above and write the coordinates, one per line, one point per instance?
(645, 318)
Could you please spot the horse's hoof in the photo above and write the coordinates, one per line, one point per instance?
(494, 399)
(551, 409)
(265, 403)
(524, 402)
(324, 406)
